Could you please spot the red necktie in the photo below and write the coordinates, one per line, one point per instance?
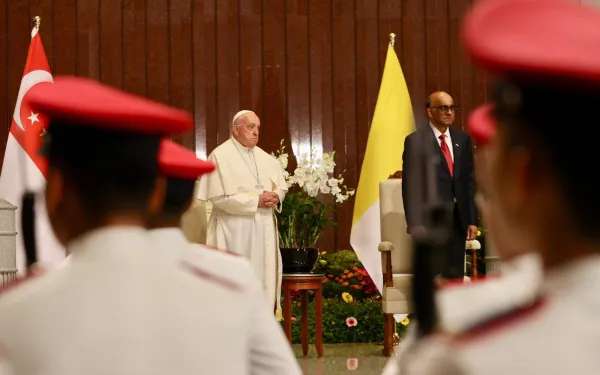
(447, 155)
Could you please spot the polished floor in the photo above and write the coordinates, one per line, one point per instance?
(338, 359)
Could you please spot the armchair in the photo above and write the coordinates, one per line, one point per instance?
(396, 251)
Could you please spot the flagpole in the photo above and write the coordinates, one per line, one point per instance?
(37, 20)
(392, 39)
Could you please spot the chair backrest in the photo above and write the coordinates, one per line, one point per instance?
(393, 225)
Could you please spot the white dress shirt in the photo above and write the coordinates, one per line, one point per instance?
(448, 138)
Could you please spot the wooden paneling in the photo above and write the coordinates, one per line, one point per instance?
(310, 69)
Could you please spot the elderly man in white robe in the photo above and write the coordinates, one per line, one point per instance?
(246, 188)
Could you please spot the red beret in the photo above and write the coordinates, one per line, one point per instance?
(176, 161)
(535, 40)
(81, 101)
(481, 124)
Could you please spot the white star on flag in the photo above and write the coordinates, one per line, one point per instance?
(33, 118)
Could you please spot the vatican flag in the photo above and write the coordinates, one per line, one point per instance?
(392, 122)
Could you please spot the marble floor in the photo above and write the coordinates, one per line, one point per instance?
(338, 359)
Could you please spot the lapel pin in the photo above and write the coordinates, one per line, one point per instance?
(456, 144)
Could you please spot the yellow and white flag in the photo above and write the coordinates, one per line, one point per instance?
(392, 122)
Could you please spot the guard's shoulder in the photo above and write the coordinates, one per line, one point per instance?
(219, 259)
(501, 322)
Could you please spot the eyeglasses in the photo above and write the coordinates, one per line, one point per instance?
(446, 108)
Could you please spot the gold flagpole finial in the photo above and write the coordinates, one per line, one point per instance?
(392, 39)
(37, 20)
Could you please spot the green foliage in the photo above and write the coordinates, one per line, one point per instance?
(302, 220)
(368, 314)
(336, 263)
(345, 274)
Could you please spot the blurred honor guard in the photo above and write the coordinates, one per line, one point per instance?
(546, 58)
(118, 307)
(268, 350)
(247, 186)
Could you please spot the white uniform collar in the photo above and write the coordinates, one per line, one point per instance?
(108, 240)
(582, 274)
(174, 236)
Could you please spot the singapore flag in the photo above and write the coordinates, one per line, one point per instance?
(23, 168)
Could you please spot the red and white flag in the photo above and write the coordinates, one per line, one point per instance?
(25, 168)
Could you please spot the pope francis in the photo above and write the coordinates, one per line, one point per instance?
(246, 188)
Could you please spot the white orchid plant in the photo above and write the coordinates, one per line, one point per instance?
(304, 216)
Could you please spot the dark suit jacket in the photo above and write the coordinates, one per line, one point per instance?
(460, 187)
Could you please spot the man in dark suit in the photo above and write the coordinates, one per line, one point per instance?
(454, 177)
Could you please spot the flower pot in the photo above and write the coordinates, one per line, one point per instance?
(298, 260)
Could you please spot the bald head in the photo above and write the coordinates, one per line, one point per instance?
(441, 110)
(245, 128)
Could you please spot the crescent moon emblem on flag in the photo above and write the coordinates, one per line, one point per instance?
(29, 80)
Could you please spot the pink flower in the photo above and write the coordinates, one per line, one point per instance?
(351, 322)
(293, 318)
(352, 364)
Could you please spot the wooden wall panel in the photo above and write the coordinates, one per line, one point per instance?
(181, 82)
(134, 47)
(204, 44)
(4, 92)
(310, 69)
(111, 42)
(65, 37)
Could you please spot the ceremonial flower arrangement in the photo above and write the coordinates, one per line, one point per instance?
(305, 215)
(351, 305)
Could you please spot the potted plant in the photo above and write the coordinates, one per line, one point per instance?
(305, 215)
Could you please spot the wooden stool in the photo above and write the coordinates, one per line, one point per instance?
(304, 282)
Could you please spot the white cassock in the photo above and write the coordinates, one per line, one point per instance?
(236, 223)
(120, 308)
(269, 350)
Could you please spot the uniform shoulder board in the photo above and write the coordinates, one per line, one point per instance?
(500, 321)
(211, 277)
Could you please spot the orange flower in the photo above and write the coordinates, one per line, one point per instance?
(330, 276)
(363, 283)
(357, 287)
(355, 268)
(337, 279)
(345, 284)
(343, 276)
(350, 274)
(360, 278)
(346, 271)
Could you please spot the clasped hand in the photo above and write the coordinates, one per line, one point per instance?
(268, 199)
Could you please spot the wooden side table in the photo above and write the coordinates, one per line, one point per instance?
(304, 282)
